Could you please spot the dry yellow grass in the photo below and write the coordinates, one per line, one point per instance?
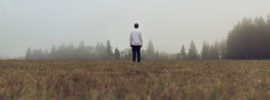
(120, 80)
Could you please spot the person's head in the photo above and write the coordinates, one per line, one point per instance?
(136, 25)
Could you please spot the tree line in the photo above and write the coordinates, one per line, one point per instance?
(88, 52)
(107, 52)
(247, 40)
(217, 50)
(71, 52)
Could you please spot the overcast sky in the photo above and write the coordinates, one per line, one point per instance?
(168, 23)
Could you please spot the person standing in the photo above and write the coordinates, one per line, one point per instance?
(136, 43)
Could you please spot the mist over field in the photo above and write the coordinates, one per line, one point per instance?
(169, 24)
(134, 49)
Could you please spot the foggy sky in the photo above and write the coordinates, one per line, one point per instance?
(168, 23)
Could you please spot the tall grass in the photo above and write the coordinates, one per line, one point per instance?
(122, 80)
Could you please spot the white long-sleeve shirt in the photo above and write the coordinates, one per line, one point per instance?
(136, 37)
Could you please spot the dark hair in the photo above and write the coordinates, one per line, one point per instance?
(136, 25)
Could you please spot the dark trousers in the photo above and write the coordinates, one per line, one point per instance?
(136, 51)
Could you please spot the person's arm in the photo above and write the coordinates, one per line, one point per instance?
(130, 40)
(141, 39)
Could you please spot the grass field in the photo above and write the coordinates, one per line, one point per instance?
(122, 80)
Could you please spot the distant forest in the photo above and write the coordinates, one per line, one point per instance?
(87, 52)
(249, 39)
(107, 52)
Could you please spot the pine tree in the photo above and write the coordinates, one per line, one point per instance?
(150, 51)
(28, 53)
(183, 54)
(192, 54)
(116, 54)
(214, 51)
(109, 50)
(205, 51)
(157, 57)
(100, 51)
